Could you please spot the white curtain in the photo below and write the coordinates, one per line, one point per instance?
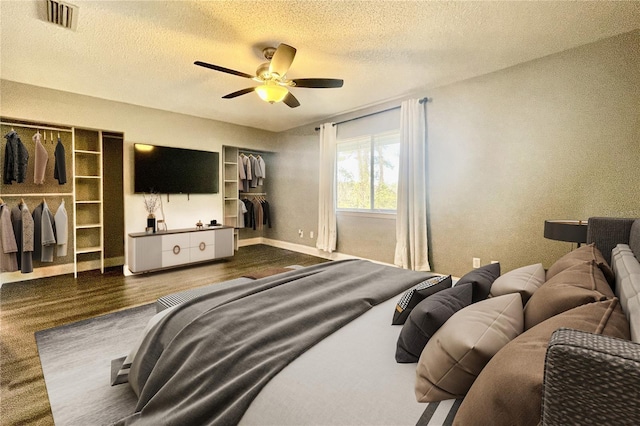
(411, 217)
(327, 233)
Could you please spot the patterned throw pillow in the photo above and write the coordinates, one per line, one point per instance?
(411, 298)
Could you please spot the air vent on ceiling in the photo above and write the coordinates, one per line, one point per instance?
(63, 14)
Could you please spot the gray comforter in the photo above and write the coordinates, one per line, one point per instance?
(207, 360)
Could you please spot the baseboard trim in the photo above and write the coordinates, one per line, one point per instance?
(300, 248)
(49, 271)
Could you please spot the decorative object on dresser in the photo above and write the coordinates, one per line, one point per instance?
(151, 203)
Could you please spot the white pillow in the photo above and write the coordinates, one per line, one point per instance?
(459, 350)
(525, 280)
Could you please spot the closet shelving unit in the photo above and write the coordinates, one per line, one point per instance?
(88, 198)
(230, 189)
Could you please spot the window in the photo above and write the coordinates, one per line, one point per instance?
(367, 172)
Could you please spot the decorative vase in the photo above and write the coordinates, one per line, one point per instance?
(151, 222)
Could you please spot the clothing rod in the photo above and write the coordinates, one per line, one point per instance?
(30, 126)
(44, 194)
(422, 101)
(253, 193)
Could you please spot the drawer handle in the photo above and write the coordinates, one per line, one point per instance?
(202, 246)
(176, 249)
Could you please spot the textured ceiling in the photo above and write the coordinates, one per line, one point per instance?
(142, 52)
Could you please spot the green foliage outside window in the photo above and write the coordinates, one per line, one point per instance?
(367, 172)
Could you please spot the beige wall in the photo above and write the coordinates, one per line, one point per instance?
(138, 124)
(555, 138)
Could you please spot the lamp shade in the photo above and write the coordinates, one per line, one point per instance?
(573, 231)
(271, 92)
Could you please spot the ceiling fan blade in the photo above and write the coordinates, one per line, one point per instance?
(318, 83)
(282, 59)
(291, 101)
(223, 69)
(239, 93)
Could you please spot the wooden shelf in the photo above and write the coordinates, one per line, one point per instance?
(89, 226)
(85, 250)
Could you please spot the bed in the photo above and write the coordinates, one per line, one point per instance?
(344, 377)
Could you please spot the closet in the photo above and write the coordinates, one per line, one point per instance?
(237, 188)
(64, 171)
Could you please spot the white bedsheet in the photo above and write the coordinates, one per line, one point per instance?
(350, 378)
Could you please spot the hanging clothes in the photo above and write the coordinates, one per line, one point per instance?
(263, 170)
(48, 234)
(60, 167)
(258, 213)
(16, 158)
(40, 160)
(62, 232)
(266, 213)
(242, 172)
(242, 209)
(249, 216)
(9, 249)
(27, 240)
(23, 230)
(16, 223)
(36, 215)
(246, 163)
(256, 172)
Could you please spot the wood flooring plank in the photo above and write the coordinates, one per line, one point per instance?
(30, 306)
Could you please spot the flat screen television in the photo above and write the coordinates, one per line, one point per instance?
(168, 170)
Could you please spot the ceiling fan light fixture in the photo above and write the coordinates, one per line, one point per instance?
(271, 92)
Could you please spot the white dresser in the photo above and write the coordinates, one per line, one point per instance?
(148, 252)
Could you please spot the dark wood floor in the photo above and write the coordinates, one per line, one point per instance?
(49, 302)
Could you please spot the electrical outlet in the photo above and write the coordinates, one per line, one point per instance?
(476, 262)
(495, 261)
(311, 234)
(300, 233)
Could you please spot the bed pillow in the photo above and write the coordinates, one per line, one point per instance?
(525, 280)
(579, 255)
(582, 283)
(411, 298)
(481, 278)
(427, 317)
(458, 352)
(508, 391)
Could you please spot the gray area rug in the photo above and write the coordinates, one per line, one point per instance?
(76, 361)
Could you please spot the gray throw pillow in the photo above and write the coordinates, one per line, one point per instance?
(427, 317)
(482, 278)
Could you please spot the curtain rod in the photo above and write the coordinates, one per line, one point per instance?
(422, 101)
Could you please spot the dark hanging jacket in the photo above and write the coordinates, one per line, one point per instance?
(60, 169)
(16, 158)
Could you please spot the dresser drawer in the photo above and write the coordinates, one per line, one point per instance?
(199, 237)
(176, 256)
(172, 240)
(203, 252)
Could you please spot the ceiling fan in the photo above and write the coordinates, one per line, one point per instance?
(273, 76)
